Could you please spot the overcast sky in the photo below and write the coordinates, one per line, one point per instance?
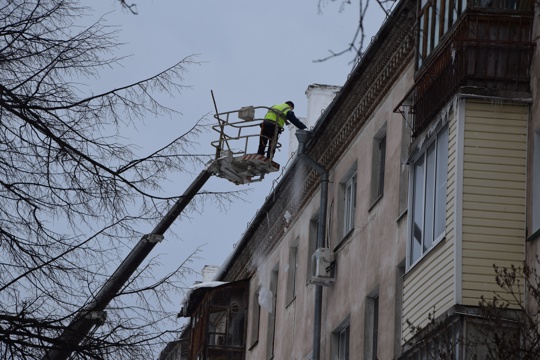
(251, 53)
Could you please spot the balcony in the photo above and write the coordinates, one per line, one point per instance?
(218, 320)
(487, 51)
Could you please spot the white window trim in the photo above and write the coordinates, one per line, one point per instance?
(436, 240)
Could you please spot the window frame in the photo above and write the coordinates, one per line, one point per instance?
(292, 272)
(403, 200)
(349, 204)
(341, 334)
(271, 330)
(398, 307)
(312, 243)
(343, 343)
(371, 335)
(375, 327)
(348, 190)
(378, 165)
(255, 318)
(436, 197)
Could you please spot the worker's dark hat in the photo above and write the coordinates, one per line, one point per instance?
(290, 103)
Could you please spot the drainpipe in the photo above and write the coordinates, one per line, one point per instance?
(303, 136)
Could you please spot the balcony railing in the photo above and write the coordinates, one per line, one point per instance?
(490, 53)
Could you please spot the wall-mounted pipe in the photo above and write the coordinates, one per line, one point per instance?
(303, 137)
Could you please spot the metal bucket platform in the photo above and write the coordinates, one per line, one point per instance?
(239, 130)
(244, 169)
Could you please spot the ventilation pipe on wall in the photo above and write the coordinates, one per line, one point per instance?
(303, 137)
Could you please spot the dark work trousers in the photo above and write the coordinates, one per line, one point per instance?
(269, 131)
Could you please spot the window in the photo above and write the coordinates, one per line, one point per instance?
(219, 320)
(312, 243)
(270, 345)
(350, 205)
(255, 318)
(340, 341)
(398, 306)
(372, 327)
(375, 329)
(404, 169)
(429, 197)
(291, 271)
(378, 164)
(348, 201)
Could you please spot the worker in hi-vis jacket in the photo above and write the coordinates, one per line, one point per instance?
(277, 116)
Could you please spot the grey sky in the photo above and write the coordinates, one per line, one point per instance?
(252, 53)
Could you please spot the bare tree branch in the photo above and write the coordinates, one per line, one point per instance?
(131, 7)
(74, 192)
(357, 43)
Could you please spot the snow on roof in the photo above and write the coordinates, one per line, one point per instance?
(208, 284)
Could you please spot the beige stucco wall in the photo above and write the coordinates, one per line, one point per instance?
(367, 260)
(294, 320)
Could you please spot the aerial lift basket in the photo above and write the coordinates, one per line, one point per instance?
(236, 150)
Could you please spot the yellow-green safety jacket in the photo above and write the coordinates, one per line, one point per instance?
(281, 119)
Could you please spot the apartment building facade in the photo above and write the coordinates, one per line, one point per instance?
(420, 175)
